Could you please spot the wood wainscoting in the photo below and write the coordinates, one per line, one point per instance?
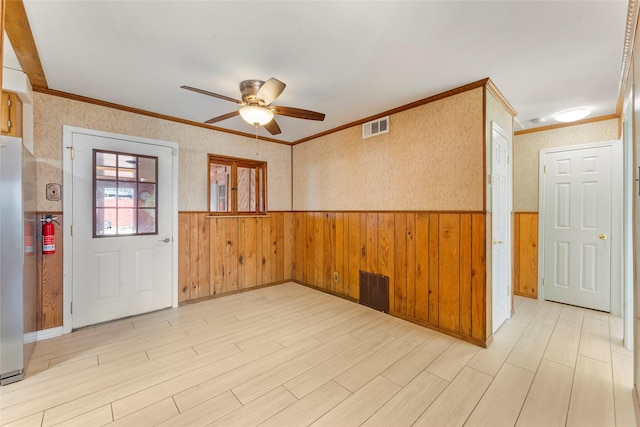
(222, 255)
(525, 254)
(436, 263)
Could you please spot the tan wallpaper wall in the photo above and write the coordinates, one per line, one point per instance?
(431, 159)
(51, 113)
(526, 155)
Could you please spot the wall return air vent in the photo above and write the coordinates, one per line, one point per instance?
(375, 127)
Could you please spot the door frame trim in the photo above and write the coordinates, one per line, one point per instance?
(616, 288)
(67, 203)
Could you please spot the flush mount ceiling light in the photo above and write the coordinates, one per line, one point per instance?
(573, 115)
(255, 115)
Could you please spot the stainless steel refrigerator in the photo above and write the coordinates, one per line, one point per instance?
(17, 258)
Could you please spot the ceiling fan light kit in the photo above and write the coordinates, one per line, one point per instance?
(255, 115)
(256, 108)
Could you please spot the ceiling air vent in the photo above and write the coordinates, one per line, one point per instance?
(375, 127)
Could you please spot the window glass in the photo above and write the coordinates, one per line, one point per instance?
(124, 199)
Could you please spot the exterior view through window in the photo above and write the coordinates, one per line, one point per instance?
(237, 186)
(124, 190)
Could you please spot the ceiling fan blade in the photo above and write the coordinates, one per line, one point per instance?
(222, 117)
(298, 113)
(270, 90)
(206, 92)
(273, 127)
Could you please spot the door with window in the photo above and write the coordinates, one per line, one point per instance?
(122, 228)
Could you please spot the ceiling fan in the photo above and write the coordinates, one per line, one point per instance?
(256, 108)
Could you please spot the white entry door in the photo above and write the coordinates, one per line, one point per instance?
(122, 220)
(577, 226)
(501, 227)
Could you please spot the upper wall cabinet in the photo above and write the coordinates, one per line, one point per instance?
(11, 123)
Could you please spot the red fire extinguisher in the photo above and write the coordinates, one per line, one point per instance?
(48, 236)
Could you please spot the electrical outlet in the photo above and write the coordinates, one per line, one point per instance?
(336, 278)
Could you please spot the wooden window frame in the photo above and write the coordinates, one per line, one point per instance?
(234, 163)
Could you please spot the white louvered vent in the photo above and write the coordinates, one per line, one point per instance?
(375, 127)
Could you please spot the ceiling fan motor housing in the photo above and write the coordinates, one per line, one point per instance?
(249, 89)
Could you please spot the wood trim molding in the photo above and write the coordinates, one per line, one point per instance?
(101, 103)
(19, 32)
(455, 91)
(564, 125)
(491, 87)
(627, 52)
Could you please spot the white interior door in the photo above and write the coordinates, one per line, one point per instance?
(577, 227)
(122, 261)
(501, 227)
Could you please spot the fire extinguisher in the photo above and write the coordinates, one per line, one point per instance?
(48, 236)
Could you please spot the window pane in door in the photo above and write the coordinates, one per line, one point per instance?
(127, 220)
(146, 220)
(127, 167)
(106, 166)
(147, 169)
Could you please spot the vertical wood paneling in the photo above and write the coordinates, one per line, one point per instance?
(266, 250)
(204, 278)
(340, 252)
(434, 267)
(372, 242)
(184, 257)
(275, 267)
(328, 249)
(249, 255)
(318, 250)
(526, 254)
(231, 257)
(289, 243)
(279, 252)
(386, 253)
(465, 274)
(422, 275)
(400, 264)
(355, 254)
(218, 245)
(411, 265)
(478, 277)
(299, 265)
(194, 287)
(260, 261)
(310, 257)
(449, 274)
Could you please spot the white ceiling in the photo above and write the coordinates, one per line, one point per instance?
(349, 60)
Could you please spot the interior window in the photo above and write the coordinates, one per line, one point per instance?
(236, 186)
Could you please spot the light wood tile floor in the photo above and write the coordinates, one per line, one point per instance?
(288, 355)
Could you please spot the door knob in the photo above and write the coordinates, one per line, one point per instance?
(165, 240)
(603, 236)
(498, 242)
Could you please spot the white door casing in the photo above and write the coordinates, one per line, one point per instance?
(576, 205)
(501, 226)
(114, 277)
